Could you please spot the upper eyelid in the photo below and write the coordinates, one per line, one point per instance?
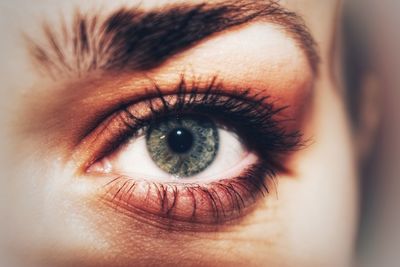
(78, 112)
(259, 107)
(196, 92)
(103, 44)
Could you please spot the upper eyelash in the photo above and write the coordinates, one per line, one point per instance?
(255, 112)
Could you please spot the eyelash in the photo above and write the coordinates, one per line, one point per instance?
(258, 120)
(209, 205)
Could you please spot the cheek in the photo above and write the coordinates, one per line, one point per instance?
(320, 206)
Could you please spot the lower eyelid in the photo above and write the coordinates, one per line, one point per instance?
(174, 203)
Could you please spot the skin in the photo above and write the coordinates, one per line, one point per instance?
(54, 218)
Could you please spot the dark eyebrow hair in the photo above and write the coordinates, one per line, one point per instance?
(132, 39)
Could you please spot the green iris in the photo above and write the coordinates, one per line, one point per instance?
(183, 146)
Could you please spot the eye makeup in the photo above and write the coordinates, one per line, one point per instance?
(182, 205)
(229, 195)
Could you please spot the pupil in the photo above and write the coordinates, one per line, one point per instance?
(180, 140)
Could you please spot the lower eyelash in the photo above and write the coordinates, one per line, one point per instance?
(177, 205)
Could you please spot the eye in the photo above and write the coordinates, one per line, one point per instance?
(183, 149)
(197, 156)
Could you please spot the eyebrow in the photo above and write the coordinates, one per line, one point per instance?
(135, 40)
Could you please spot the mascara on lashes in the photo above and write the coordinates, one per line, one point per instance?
(251, 116)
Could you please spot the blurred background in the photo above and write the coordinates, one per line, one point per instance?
(373, 30)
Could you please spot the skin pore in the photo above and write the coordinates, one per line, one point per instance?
(58, 217)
